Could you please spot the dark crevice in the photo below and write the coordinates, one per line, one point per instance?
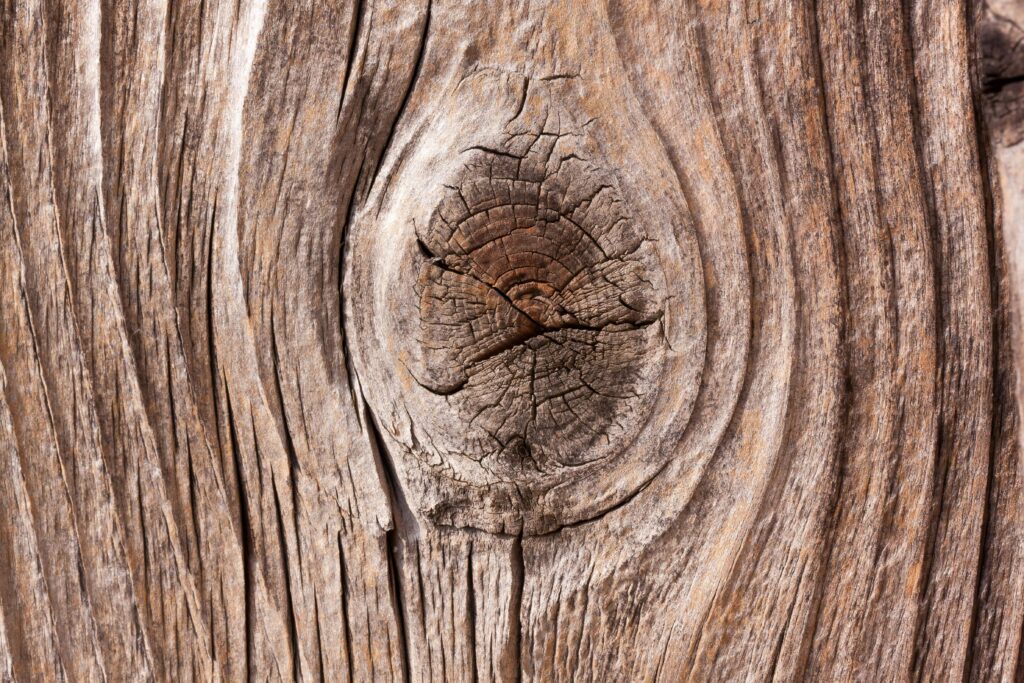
(491, 150)
(471, 618)
(417, 562)
(290, 615)
(172, 413)
(994, 84)
(211, 341)
(443, 265)
(392, 552)
(414, 78)
(997, 58)
(346, 625)
(382, 456)
(356, 23)
(322, 670)
(533, 327)
(142, 529)
(546, 330)
(529, 331)
(442, 389)
(425, 251)
(286, 433)
(346, 353)
(193, 488)
(518, 582)
(393, 538)
(522, 99)
(1003, 398)
(247, 538)
(560, 77)
(942, 440)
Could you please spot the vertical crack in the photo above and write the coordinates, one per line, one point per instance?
(343, 590)
(393, 538)
(413, 78)
(518, 581)
(293, 627)
(471, 613)
(392, 551)
(246, 533)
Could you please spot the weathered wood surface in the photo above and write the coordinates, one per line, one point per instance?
(542, 340)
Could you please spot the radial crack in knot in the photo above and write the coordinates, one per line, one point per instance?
(535, 299)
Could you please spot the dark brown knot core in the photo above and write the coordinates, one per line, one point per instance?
(537, 304)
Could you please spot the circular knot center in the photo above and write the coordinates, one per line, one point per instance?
(538, 308)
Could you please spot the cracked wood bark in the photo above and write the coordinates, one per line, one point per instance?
(545, 340)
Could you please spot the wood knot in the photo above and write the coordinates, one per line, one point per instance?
(510, 323)
(537, 307)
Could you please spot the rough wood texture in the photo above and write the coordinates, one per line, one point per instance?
(544, 340)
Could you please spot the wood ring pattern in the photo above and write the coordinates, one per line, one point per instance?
(536, 304)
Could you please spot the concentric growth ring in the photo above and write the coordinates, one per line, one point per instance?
(536, 299)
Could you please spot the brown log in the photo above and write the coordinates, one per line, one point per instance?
(554, 340)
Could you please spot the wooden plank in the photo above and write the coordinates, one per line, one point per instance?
(428, 340)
